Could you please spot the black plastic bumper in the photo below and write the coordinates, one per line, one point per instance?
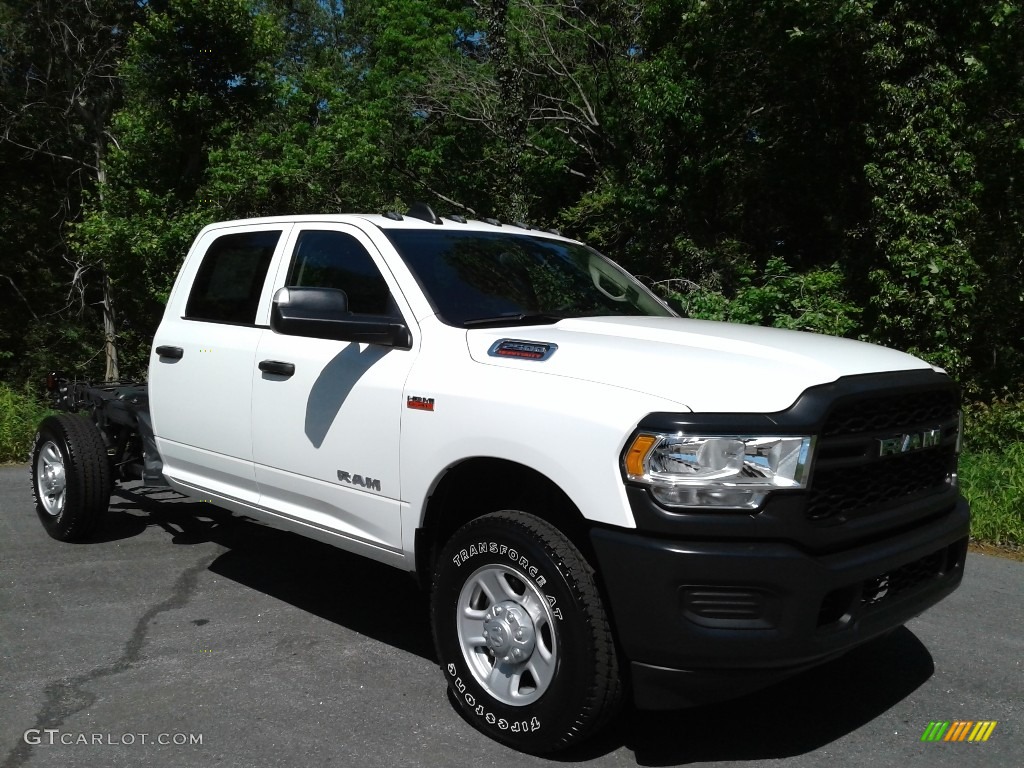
(707, 620)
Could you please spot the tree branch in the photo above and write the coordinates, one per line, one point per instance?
(20, 295)
(410, 175)
(39, 150)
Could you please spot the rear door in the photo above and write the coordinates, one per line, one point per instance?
(326, 437)
(200, 373)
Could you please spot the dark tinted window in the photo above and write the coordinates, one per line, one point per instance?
(229, 282)
(337, 260)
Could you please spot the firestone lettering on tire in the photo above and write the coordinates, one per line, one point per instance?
(503, 550)
(516, 726)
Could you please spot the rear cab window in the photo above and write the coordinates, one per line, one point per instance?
(230, 279)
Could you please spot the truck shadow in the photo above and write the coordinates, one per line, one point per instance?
(791, 718)
(802, 714)
(317, 578)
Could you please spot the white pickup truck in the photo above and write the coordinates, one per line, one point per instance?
(605, 500)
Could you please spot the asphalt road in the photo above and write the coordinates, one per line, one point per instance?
(256, 648)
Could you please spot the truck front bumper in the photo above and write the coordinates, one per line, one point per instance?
(704, 620)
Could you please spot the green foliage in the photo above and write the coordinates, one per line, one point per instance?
(195, 76)
(842, 166)
(992, 469)
(20, 414)
(812, 301)
(922, 175)
(143, 251)
(993, 481)
(995, 71)
(59, 86)
(992, 426)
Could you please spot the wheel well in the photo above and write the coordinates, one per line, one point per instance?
(478, 486)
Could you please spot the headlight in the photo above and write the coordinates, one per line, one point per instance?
(725, 471)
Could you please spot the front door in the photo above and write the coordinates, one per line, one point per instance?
(326, 437)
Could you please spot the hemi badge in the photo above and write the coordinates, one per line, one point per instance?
(915, 441)
(420, 403)
(524, 350)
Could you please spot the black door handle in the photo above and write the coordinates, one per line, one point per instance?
(277, 367)
(175, 353)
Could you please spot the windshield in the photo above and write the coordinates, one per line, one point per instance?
(481, 278)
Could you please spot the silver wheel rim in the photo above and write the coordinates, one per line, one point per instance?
(507, 635)
(51, 482)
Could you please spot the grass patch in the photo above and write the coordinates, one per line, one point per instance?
(20, 414)
(993, 481)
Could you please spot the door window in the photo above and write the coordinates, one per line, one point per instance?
(328, 259)
(229, 282)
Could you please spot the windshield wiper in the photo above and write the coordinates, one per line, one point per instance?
(513, 318)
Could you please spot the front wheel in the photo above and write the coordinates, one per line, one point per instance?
(521, 633)
(70, 476)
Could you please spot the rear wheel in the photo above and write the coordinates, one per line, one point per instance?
(70, 476)
(521, 633)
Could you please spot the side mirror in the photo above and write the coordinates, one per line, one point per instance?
(322, 313)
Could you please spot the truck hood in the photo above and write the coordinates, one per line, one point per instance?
(704, 366)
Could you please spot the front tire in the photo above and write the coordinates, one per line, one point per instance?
(70, 476)
(521, 634)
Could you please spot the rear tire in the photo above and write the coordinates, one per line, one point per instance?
(70, 476)
(521, 633)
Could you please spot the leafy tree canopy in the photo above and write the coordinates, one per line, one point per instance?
(841, 166)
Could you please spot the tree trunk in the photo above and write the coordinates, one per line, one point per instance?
(109, 330)
(109, 325)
